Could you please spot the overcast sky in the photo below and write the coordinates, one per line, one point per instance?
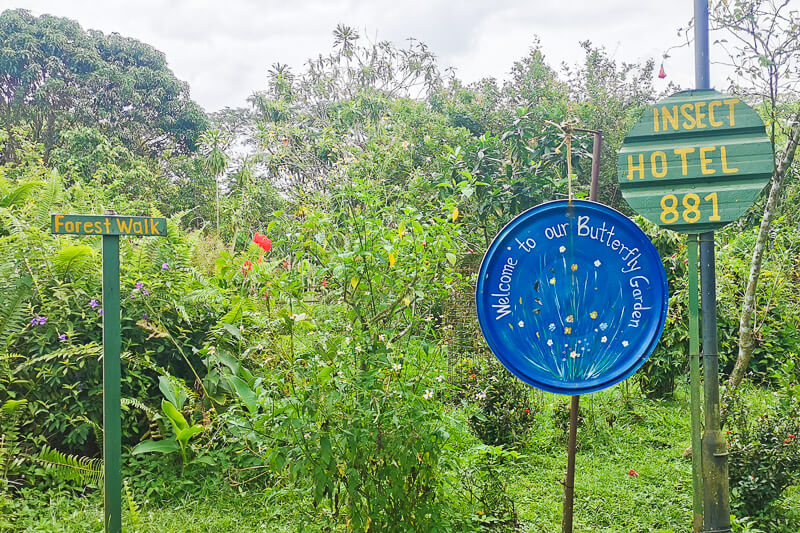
(224, 48)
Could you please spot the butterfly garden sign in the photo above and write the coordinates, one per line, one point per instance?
(572, 297)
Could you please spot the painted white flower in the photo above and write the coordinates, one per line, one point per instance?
(574, 354)
(597, 263)
(551, 327)
(562, 249)
(521, 323)
(603, 326)
(625, 343)
(428, 395)
(570, 319)
(603, 339)
(549, 342)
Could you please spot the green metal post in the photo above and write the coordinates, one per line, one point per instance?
(716, 503)
(694, 387)
(112, 423)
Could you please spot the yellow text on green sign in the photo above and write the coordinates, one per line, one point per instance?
(108, 225)
(695, 161)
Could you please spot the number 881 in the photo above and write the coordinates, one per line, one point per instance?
(691, 211)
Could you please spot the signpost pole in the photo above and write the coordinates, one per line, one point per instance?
(715, 454)
(112, 424)
(695, 398)
(572, 443)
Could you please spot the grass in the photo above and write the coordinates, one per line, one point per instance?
(617, 434)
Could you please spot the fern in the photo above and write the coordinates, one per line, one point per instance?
(134, 511)
(68, 352)
(19, 194)
(47, 198)
(86, 470)
(75, 258)
(133, 402)
(12, 306)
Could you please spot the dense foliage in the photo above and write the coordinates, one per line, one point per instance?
(305, 331)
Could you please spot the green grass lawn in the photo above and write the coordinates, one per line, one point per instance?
(616, 435)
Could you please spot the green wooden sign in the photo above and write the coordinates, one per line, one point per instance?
(108, 225)
(695, 161)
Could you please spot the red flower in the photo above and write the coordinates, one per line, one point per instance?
(791, 436)
(633, 473)
(247, 265)
(473, 376)
(787, 441)
(527, 410)
(286, 264)
(264, 242)
(324, 283)
(661, 73)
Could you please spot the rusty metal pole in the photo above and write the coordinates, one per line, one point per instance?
(572, 443)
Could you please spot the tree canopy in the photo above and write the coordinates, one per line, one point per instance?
(54, 74)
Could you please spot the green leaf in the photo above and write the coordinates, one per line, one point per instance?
(185, 434)
(156, 446)
(324, 375)
(451, 258)
(174, 416)
(233, 330)
(244, 392)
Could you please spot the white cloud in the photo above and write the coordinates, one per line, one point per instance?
(224, 49)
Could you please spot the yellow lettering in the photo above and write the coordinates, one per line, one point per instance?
(690, 122)
(633, 168)
(98, 227)
(655, 119)
(658, 155)
(87, 227)
(59, 222)
(683, 152)
(673, 118)
(731, 102)
(699, 114)
(108, 225)
(137, 227)
(124, 225)
(704, 161)
(724, 156)
(69, 226)
(711, 106)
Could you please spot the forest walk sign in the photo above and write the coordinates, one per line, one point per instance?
(110, 226)
(696, 161)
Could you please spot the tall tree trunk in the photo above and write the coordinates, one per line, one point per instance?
(746, 334)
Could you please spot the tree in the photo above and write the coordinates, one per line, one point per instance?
(763, 49)
(53, 75)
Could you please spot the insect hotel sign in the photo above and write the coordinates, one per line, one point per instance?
(695, 161)
(110, 226)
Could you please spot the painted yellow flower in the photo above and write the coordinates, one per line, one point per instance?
(593, 314)
(568, 331)
(574, 268)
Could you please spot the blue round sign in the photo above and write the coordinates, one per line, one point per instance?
(572, 298)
